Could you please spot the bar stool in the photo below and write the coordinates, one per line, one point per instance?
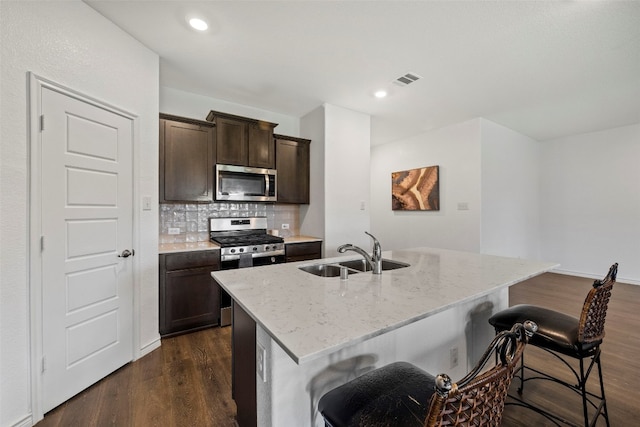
(562, 335)
(401, 394)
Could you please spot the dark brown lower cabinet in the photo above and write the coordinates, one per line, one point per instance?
(189, 297)
(243, 376)
(303, 251)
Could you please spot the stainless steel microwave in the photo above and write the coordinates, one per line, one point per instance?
(245, 184)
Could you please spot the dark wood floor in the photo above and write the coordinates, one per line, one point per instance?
(187, 382)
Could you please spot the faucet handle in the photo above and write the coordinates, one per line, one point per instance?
(377, 250)
(375, 241)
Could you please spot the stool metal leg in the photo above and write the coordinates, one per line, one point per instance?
(581, 375)
(602, 408)
(583, 390)
(604, 399)
(521, 388)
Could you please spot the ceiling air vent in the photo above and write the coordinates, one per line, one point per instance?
(407, 79)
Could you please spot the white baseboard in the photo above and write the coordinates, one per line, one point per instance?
(149, 347)
(589, 276)
(27, 421)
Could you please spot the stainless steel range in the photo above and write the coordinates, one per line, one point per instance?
(243, 242)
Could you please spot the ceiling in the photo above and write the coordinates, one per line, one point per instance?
(545, 69)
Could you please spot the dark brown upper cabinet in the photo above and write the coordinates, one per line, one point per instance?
(292, 164)
(187, 159)
(243, 141)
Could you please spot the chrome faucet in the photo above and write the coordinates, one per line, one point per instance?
(374, 260)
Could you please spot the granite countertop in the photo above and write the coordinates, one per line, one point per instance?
(165, 248)
(311, 316)
(301, 239)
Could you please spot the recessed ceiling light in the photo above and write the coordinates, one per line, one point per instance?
(198, 24)
(380, 94)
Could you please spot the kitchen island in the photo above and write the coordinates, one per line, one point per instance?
(314, 333)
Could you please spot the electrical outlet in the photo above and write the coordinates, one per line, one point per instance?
(453, 357)
(285, 226)
(261, 362)
(174, 230)
(146, 203)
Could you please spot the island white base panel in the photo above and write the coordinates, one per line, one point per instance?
(290, 393)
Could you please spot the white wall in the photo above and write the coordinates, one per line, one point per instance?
(346, 178)
(339, 177)
(456, 149)
(186, 104)
(71, 44)
(573, 200)
(312, 221)
(590, 202)
(510, 193)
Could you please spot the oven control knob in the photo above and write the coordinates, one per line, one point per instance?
(266, 248)
(232, 251)
(241, 249)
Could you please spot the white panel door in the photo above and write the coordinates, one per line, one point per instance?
(87, 217)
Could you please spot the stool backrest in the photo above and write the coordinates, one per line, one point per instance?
(594, 310)
(478, 398)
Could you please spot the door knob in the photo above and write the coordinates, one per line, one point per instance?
(127, 253)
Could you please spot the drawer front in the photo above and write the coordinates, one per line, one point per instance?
(195, 259)
(303, 251)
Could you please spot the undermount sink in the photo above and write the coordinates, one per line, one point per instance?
(324, 270)
(354, 266)
(362, 265)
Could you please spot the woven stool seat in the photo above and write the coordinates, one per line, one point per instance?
(401, 394)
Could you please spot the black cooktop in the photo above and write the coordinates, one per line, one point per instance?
(226, 241)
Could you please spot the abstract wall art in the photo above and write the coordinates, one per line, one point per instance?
(416, 189)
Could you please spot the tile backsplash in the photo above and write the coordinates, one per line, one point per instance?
(192, 219)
